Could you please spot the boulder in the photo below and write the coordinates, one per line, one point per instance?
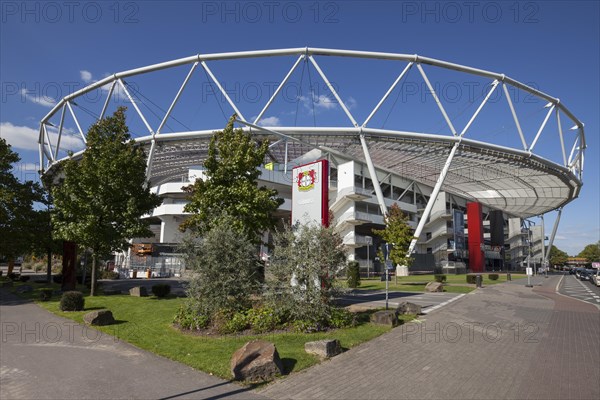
(323, 348)
(386, 317)
(257, 361)
(434, 287)
(24, 289)
(138, 291)
(408, 308)
(99, 318)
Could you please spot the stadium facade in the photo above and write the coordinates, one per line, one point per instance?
(470, 194)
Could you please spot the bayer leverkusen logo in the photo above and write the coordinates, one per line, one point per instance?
(306, 180)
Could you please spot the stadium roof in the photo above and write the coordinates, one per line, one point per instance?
(512, 178)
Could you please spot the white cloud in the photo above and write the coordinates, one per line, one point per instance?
(26, 138)
(38, 99)
(86, 76)
(324, 102)
(270, 121)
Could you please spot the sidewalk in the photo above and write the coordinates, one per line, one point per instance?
(504, 341)
(47, 357)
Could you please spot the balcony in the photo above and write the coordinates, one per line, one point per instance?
(351, 239)
(356, 218)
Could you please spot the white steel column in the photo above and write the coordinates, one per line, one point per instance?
(373, 174)
(514, 114)
(543, 244)
(60, 129)
(76, 122)
(432, 198)
(110, 92)
(553, 234)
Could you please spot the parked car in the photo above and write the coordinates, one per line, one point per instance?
(572, 271)
(585, 275)
(596, 277)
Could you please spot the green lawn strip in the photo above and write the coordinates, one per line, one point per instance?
(416, 283)
(146, 323)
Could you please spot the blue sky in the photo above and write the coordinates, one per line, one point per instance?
(48, 49)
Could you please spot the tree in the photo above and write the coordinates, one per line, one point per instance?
(557, 256)
(303, 273)
(17, 214)
(398, 233)
(231, 186)
(225, 269)
(100, 199)
(591, 252)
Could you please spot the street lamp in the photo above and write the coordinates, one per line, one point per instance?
(369, 241)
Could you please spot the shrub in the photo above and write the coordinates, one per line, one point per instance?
(109, 275)
(1, 272)
(161, 290)
(72, 301)
(307, 326)
(440, 278)
(189, 316)
(353, 274)
(264, 319)
(58, 278)
(24, 278)
(231, 323)
(45, 294)
(341, 318)
(471, 279)
(13, 276)
(493, 277)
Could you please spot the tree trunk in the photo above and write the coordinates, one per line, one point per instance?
(11, 265)
(93, 285)
(49, 266)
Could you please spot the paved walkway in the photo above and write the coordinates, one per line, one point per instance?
(501, 342)
(47, 357)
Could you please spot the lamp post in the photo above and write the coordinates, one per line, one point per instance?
(369, 241)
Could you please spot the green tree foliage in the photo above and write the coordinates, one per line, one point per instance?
(99, 199)
(231, 186)
(591, 252)
(225, 269)
(557, 256)
(398, 233)
(18, 219)
(303, 273)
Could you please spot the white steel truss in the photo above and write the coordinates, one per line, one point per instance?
(524, 184)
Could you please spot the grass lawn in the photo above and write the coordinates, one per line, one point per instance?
(146, 323)
(416, 283)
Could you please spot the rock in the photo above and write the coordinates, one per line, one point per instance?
(99, 318)
(408, 308)
(434, 287)
(138, 291)
(256, 361)
(386, 317)
(323, 348)
(24, 289)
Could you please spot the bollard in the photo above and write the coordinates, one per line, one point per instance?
(478, 281)
(508, 277)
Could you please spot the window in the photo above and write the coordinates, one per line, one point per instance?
(429, 250)
(428, 235)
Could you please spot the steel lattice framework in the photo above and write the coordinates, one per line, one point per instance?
(514, 180)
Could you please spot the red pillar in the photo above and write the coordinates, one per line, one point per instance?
(476, 255)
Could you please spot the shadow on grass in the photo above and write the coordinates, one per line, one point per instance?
(288, 365)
